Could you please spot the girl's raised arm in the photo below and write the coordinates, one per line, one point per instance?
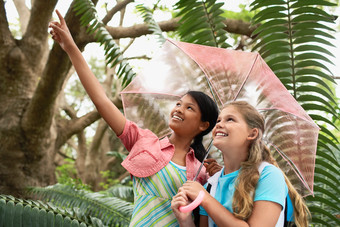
(111, 114)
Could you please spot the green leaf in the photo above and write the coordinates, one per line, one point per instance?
(329, 158)
(313, 10)
(322, 211)
(275, 40)
(326, 192)
(271, 30)
(303, 3)
(270, 16)
(311, 63)
(259, 4)
(327, 166)
(26, 215)
(309, 39)
(18, 211)
(329, 133)
(270, 24)
(318, 117)
(327, 140)
(309, 71)
(267, 51)
(311, 33)
(324, 201)
(9, 214)
(324, 181)
(310, 17)
(313, 98)
(311, 106)
(303, 48)
(272, 9)
(308, 24)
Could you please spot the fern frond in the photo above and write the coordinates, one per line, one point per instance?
(148, 19)
(201, 22)
(111, 211)
(18, 212)
(120, 191)
(89, 19)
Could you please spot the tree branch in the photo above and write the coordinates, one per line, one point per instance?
(67, 128)
(115, 9)
(24, 14)
(40, 111)
(6, 35)
(36, 32)
(232, 26)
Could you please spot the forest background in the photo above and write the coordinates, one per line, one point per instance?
(53, 139)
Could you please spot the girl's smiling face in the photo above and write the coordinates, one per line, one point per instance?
(232, 131)
(185, 117)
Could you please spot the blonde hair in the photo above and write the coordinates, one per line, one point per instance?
(243, 200)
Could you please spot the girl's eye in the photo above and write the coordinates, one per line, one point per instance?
(190, 108)
(218, 120)
(178, 104)
(230, 119)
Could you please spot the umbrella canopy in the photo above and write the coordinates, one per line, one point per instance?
(226, 75)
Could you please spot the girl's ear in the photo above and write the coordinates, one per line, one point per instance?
(253, 133)
(204, 126)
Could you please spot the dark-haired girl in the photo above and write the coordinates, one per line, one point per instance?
(158, 167)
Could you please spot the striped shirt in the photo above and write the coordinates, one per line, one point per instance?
(153, 196)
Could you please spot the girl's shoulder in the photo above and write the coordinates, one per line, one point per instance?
(271, 175)
(269, 169)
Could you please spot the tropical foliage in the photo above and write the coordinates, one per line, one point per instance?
(293, 38)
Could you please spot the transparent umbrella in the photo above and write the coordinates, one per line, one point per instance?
(226, 75)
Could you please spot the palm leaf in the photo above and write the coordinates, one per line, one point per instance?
(86, 9)
(293, 37)
(201, 22)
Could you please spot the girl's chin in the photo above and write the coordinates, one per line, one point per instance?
(217, 143)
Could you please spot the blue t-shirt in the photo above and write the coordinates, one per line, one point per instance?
(270, 187)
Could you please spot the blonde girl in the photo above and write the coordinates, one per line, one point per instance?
(243, 196)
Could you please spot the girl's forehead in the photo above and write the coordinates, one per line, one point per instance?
(229, 110)
(188, 99)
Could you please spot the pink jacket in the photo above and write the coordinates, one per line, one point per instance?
(148, 154)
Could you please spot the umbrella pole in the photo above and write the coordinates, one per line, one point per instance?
(206, 155)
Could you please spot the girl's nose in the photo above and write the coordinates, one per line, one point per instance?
(179, 109)
(218, 125)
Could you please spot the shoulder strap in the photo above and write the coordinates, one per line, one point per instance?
(208, 187)
(211, 188)
(282, 218)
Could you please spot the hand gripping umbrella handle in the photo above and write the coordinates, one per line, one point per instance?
(194, 203)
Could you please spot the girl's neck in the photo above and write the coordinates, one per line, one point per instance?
(232, 161)
(181, 143)
(182, 147)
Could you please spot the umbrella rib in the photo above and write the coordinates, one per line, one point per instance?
(206, 155)
(244, 81)
(146, 92)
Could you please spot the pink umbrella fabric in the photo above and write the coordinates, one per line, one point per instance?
(226, 75)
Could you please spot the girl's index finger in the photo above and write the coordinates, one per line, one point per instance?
(61, 18)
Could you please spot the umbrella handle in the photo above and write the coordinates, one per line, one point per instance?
(194, 203)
